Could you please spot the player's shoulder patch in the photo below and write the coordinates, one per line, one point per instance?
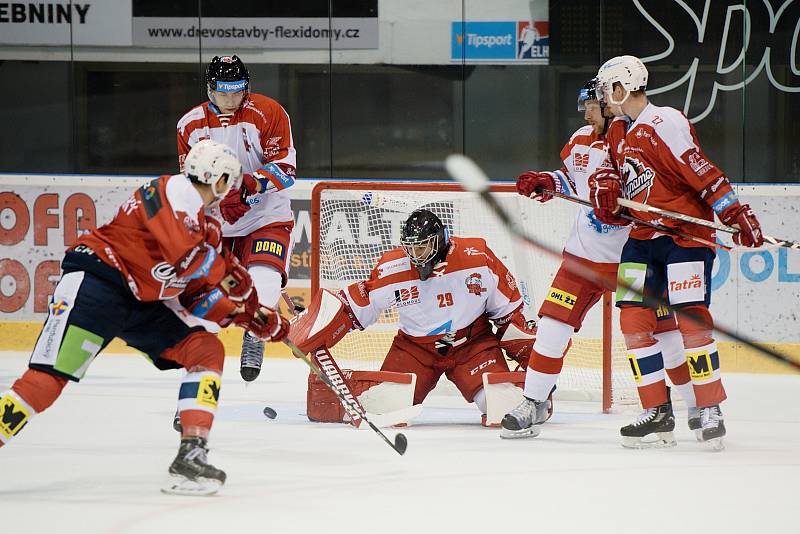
(194, 114)
(263, 107)
(393, 262)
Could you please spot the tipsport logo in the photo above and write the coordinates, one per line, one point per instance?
(506, 41)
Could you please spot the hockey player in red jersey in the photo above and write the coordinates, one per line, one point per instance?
(126, 279)
(257, 216)
(591, 244)
(446, 290)
(656, 159)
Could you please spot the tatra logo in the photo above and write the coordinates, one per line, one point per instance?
(695, 282)
(406, 296)
(512, 282)
(475, 284)
(701, 34)
(580, 161)
(637, 177)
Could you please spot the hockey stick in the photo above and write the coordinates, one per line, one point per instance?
(400, 443)
(473, 179)
(659, 227)
(701, 222)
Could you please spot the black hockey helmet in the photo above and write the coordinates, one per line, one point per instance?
(590, 91)
(227, 74)
(424, 239)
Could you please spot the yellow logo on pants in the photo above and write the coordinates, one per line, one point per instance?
(637, 373)
(208, 391)
(562, 298)
(699, 364)
(13, 416)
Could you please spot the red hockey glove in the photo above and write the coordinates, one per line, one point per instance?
(249, 185)
(264, 323)
(749, 234)
(212, 306)
(233, 206)
(529, 182)
(605, 187)
(236, 284)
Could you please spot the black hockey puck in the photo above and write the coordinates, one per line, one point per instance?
(270, 413)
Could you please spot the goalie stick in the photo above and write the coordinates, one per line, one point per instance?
(473, 179)
(400, 443)
(701, 222)
(659, 227)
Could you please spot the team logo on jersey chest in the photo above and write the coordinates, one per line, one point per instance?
(580, 161)
(475, 284)
(406, 296)
(638, 178)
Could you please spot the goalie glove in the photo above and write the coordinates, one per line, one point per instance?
(324, 323)
(516, 336)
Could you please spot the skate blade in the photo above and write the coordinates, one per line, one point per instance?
(530, 432)
(663, 440)
(202, 487)
(715, 444)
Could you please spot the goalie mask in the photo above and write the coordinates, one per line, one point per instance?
(425, 241)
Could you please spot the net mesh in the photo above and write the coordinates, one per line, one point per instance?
(359, 222)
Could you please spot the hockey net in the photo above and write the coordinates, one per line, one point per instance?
(354, 223)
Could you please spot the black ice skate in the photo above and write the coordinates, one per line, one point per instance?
(252, 356)
(525, 421)
(659, 421)
(713, 427)
(176, 422)
(694, 420)
(191, 474)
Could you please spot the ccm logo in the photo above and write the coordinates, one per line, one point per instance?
(482, 366)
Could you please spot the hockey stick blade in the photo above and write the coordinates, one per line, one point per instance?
(659, 227)
(701, 222)
(400, 443)
(465, 171)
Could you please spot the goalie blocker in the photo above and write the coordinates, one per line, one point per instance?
(329, 318)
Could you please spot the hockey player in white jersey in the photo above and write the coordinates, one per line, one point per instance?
(591, 244)
(257, 217)
(446, 290)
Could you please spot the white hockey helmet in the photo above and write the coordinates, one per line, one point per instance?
(627, 70)
(208, 161)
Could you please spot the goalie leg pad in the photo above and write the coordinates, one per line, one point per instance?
(323, 324)
(378, 391)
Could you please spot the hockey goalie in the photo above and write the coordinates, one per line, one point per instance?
(447, 291)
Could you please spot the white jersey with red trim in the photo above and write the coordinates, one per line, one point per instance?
(590, 239)
(260, 133)
(471, 282)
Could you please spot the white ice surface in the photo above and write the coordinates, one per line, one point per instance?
(94, 463)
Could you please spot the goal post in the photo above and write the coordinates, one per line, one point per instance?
(355, 222)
